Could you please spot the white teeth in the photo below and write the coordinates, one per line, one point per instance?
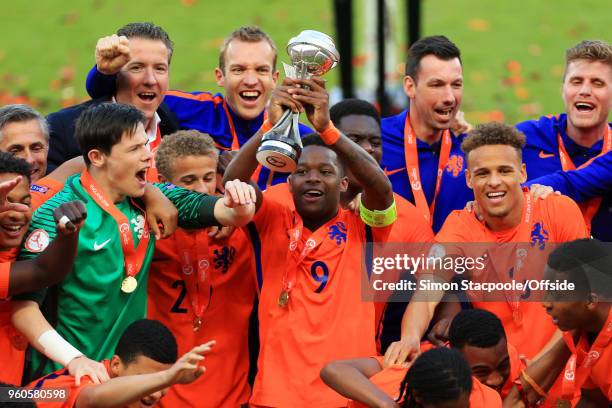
(584, 105)
(13, 228)
(498, 194)
(250, 94)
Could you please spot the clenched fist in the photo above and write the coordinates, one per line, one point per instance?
(112, 53)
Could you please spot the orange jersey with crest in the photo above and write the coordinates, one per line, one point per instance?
(410, 227)
(389, 380)
(62, 379)
(226, 304)
(12, 342)
(555, 219)
(324, 318)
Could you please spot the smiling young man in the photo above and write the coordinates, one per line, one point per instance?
(422, 156)
(201, 288)
(310, 254)
(246, 71)
(143, 366)
(509, 215)
(143, 70)
(110, 289)
(24, 276)
(570, 140)
(477, 334)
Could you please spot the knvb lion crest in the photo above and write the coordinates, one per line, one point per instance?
(224, 257)
(337, 232)
(539, 235)
(455, 165)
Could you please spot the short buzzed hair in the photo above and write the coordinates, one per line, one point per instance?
(250, 34)
(181, 144)
(590, 50)
(148, 31)
(22, 113)
(494, 133)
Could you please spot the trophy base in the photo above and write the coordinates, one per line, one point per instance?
(277, 156)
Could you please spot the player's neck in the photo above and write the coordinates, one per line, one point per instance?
(110, 192)
(586, 137)
(315, 224)
(424, 132)
(508, 221)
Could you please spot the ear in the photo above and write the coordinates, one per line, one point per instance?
(344, 181)
(96, 157)
(290, 183)
(409, 86)
(593, 301)
(220, 77)
(523, 173)
(275, 77)
(468, 178)
(116, 366)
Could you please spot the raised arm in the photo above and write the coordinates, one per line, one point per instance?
(54, 263)
(312, 96)
(121, 391)
(593, 180)
(112, 53)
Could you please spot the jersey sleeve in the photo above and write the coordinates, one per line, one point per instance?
(99, 84)
(5, 274)
(195, 210)
(567, 218)
(42, 190)
(592, 180)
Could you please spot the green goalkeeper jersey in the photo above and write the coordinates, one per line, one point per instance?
(92, 311)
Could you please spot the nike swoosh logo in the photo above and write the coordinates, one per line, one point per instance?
(98, 247)
(545, 155)
(390, 172)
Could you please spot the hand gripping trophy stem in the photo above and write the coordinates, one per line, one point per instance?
(311, 53)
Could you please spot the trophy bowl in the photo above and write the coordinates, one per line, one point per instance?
(311, 53)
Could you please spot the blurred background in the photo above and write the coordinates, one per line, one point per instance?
(512, 51)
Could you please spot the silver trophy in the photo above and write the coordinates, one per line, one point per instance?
(311, 53)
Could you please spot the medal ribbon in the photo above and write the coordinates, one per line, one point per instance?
(296, 254)
(193, 255)
(236, 145)
(412, 167)
(590, 207)
(512, 299)
(133, 256)
(576, 372)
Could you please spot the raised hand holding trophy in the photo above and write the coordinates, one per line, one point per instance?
(311, 53)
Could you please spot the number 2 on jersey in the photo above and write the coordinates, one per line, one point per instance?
(176, 308)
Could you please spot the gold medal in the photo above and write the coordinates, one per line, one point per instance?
(283, 299)
(197, 323)
(129, 284)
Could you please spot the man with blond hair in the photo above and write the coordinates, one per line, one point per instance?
(571, 140)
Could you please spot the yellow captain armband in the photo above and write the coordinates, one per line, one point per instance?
(378, 218)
